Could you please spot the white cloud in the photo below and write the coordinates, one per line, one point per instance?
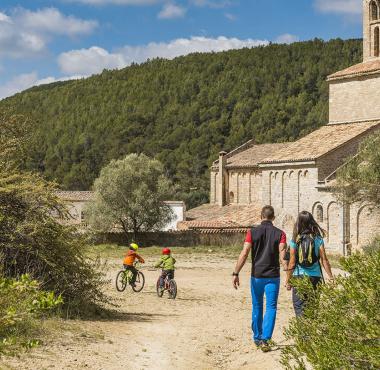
(231, 17)
(95, 59)
(51, 20)
(89, 61)
(171, 11)
(4, 18)
(345, 7)
(287, 38)
(25, 32)
(212, 3)
(115, 2)
(25, 81)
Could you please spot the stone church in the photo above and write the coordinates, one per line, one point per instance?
(300, 175)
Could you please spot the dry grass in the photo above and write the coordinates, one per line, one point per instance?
(113, 251)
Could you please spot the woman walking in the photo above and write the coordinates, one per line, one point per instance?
(307, 254)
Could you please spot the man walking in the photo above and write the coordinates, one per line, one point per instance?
(268, 245)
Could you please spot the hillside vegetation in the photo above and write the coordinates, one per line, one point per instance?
(183, 112)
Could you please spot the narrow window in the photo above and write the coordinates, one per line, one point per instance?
(319, 213)
(374, 11)
(232, 197)
(376, 42)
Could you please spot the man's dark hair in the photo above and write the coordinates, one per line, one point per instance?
(267, 213)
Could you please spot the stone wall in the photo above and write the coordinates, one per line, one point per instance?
(291, 189)
(369, 26)
(213, 184)
(242, 186)
(331, 161)
(355, 99)
(364, 225)
(172, 239)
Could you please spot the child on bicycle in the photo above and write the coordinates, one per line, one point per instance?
(129, 261)
(167, 263)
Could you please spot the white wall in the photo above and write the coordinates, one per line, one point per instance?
(179, 215)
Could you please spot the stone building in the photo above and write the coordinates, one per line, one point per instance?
(300, 175)
(76, 201)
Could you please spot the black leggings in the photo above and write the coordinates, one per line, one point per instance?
(298, 303)
(165, 273)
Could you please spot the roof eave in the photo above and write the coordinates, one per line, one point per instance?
(350, 76)
(296, 162)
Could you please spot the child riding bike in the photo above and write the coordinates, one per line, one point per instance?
(129, 261)
(167, 263)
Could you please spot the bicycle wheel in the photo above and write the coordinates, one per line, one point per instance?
(121, 281)
(160, 292)
(172, 289)
(139, 283)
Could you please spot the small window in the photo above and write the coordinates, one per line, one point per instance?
(232, 197)
(319, 213)
(376, 42)
(374, 9)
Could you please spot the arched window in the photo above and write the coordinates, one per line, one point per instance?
(232, 196)
(319, 213)
(374, 11)
(376, 42)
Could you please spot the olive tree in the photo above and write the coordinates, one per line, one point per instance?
(130, 194)
(359, 179)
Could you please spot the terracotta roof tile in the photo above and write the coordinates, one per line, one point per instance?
(365, 68)
(75, 195)
(254, 155)
(320, 142)
(214, 217)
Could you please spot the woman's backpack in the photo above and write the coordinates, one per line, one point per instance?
(306, 255)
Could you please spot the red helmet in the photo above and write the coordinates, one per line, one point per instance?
(166, 251)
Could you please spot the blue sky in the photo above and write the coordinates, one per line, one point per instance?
(47, 40)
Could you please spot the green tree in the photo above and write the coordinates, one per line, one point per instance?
(32, 241)
(340, 328)
(359, 179)
(130, 194)
(181, 111)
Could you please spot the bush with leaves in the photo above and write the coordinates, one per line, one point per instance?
(32, 240)
(340, 328)
(22, 304)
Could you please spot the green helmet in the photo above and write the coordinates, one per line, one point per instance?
(134, 246)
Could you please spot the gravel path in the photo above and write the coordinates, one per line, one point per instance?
(206, 327)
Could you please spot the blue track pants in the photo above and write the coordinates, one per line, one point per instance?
(263, 327)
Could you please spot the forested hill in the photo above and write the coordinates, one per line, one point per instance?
(182, 111)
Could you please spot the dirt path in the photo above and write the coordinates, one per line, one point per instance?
(206, 327)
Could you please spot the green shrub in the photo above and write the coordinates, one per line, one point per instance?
(341, 325)
(373, 247)
(33, 241)
(22, 303)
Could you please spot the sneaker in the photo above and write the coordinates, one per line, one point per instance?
(257, 343)
(264, 346)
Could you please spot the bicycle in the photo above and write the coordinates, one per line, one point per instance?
(124, 278)
(169, 285)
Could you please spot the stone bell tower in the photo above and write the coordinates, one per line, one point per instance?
(371, 28)
(354, 92)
